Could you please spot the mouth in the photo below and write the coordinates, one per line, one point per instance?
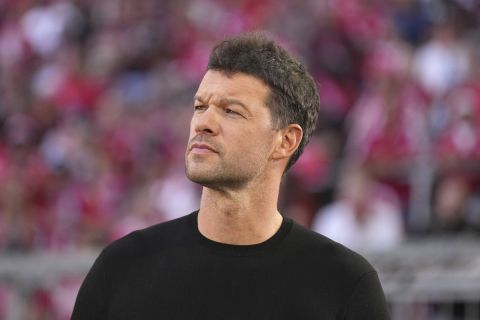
(202, 148)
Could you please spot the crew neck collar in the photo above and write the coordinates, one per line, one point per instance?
(275, 239)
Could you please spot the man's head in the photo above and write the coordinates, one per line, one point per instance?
(255, 108)
(293, 94)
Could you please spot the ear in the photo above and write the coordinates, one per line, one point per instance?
(288, 141)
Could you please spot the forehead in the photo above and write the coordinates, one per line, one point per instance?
(218, 84)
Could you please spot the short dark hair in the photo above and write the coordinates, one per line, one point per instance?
(293, 97)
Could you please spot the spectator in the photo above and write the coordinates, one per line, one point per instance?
(366, 215)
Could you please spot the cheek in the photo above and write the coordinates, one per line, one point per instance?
(191, 129)
(256, 144)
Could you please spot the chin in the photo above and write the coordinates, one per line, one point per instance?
(216, 177)
(207, 182)
(217, 181)
(199, 176)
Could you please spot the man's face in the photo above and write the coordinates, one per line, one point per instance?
(231, 134)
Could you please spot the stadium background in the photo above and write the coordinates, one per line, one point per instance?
(95, 101)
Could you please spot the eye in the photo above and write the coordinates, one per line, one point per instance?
(199, 107)
(230, 111)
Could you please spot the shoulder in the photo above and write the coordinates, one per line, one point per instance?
(153, 239)
(325, 254)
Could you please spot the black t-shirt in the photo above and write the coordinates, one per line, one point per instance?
(171, 271)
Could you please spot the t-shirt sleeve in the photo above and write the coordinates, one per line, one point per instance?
(367, 300)
(90, 303)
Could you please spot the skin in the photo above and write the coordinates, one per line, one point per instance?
(238, 157)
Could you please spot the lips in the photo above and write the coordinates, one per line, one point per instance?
(202, 148)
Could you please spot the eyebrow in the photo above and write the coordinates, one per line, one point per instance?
(226, 101)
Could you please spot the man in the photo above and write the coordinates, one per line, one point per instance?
(237, 257)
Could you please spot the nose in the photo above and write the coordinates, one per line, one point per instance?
(206, 122)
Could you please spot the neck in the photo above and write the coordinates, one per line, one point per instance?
(240, 217)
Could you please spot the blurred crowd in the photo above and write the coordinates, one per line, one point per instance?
(96, 99)
(96, 96)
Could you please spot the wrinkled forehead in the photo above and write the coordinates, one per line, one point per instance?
(219, 85)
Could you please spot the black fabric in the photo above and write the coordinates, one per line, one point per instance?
(171, 271)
